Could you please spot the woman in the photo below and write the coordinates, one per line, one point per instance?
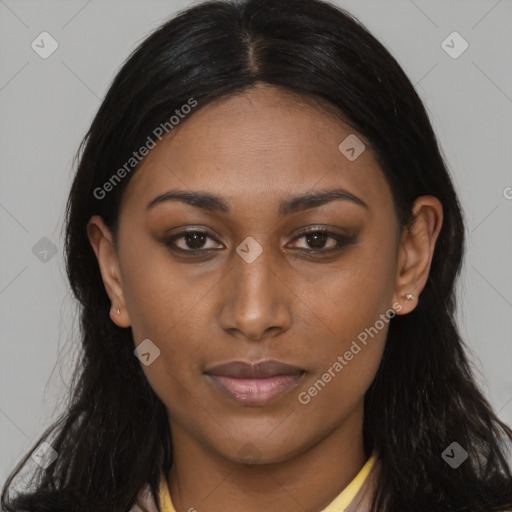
(264, 239)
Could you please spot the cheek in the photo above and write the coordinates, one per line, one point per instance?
(175, 372)
(346, 298)
(162, 295)
(345, 367)
(352, 312)
(167, 306)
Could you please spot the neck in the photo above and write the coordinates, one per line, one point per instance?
(201, 479)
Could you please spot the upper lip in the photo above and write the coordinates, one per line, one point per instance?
(262, 369)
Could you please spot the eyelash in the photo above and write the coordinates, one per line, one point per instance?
(341, 242)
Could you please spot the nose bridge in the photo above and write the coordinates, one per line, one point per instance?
(255, 278)
(257, 301)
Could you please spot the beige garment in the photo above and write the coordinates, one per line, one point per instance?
(147, 500)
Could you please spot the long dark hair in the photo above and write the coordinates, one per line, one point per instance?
(114, 437)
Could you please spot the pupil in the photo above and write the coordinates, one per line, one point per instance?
(318, 238)
(195, 237)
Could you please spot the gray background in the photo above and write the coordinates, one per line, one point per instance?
(47, 105)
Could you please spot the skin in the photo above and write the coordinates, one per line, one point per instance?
(256, 149)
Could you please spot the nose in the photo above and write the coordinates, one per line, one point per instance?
(256, 299)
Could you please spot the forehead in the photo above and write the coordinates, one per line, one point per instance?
(262, 144)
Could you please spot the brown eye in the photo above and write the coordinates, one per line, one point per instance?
(321, 241)
(317, 240)
(192, 241)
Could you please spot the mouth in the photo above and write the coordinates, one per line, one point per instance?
(255, 384)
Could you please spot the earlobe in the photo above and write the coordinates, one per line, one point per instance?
(416, 252)
(102, 243)
(120, 319)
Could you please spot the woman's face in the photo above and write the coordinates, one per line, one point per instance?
(262, 289)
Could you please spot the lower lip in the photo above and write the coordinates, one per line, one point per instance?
(255, 391)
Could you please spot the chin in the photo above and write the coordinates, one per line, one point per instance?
(251, 450)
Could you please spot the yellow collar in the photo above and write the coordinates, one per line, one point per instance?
(339, 504)
(343, 500)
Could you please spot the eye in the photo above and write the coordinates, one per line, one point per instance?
(317, 241)
(192, 241)
(320, 241)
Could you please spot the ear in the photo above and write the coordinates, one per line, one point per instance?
(416, 251)
(102, 243)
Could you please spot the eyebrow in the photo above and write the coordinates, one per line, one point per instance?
(213, 203)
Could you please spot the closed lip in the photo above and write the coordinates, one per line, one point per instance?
(260, 370)
(255, 384)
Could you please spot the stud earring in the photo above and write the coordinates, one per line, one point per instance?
(118, 312)
(409, 296)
